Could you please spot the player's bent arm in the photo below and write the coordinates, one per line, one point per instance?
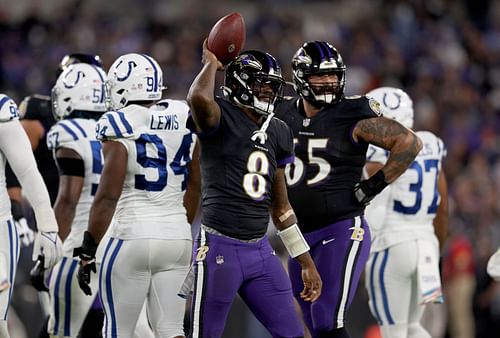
(206, 112)
(441, 220)
(193, 189)
(71, 177)
(403, 143)
(109, 190)
(286, 222)
(375, 212)
(371, 168)
(15, 145)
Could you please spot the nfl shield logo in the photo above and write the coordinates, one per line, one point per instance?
(306, 122)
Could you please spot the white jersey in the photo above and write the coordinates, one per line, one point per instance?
(159, 148)
(79, 135)
(8, 112)
(410, 202)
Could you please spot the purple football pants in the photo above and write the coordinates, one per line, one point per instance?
(225, 267)
(340, 252)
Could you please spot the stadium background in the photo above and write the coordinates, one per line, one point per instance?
(444, 53)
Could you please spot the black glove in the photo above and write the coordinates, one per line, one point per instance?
(366, 190)
(86, 253)
(16, 209)
(37, 275)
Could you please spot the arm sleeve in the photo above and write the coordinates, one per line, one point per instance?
(15, 145)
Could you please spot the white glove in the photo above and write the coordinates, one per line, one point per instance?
(49, 245)
(26, 235)
(493, 267)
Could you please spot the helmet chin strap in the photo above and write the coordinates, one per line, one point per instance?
(261, 134)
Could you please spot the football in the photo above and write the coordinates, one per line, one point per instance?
(227, 37)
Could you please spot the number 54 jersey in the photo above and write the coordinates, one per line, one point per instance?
(159, 149)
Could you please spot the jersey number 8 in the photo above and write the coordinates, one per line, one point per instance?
(254, 182)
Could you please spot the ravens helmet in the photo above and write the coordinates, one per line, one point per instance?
(254, 80)
(318, 58)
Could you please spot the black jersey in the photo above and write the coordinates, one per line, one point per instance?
(238, 172)
(39, 108)
(328, 161)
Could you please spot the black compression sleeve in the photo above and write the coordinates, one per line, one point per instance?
(70, 166)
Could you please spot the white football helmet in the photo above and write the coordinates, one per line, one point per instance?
(395, 103)
(133, 77)
(8, 108)
(79, 87)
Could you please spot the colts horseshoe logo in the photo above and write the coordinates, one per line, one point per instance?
(394, 106)
(131, 65)
(69, 85)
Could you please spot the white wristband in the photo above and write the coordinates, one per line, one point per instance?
(293, 240)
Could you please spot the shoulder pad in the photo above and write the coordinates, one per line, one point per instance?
(433, 143)
(114, 125)
(65, 132)
(168, 104)
(35, 106)
(8, 109)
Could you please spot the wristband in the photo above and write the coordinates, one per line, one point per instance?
(293, 240)
(376, 183)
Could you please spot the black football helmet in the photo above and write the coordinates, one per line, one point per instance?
(73, 58)
(254, 80)
(317, 58)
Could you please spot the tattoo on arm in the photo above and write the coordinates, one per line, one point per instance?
(403, 143)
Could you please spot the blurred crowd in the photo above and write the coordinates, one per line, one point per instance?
(444, 53)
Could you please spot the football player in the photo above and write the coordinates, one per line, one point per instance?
(409, 222)
(78, 100)
(244, 150)
(15, 148)
(331, 134)
(149, 162)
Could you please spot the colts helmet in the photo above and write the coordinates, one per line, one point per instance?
(80, 87)
(318, 58)
(133, 78)
(395, 103)
(254, 80)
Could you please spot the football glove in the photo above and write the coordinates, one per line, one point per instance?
(37, 275)
(26, 235)
(86, 253)
(366, 190)
(49, 245)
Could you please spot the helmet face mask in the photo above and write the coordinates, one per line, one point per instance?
(254, 80)
(317, 59)
(133, 77)
(80, 87)
(396, 104)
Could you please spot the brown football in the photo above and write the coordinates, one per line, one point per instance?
(227, 37)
